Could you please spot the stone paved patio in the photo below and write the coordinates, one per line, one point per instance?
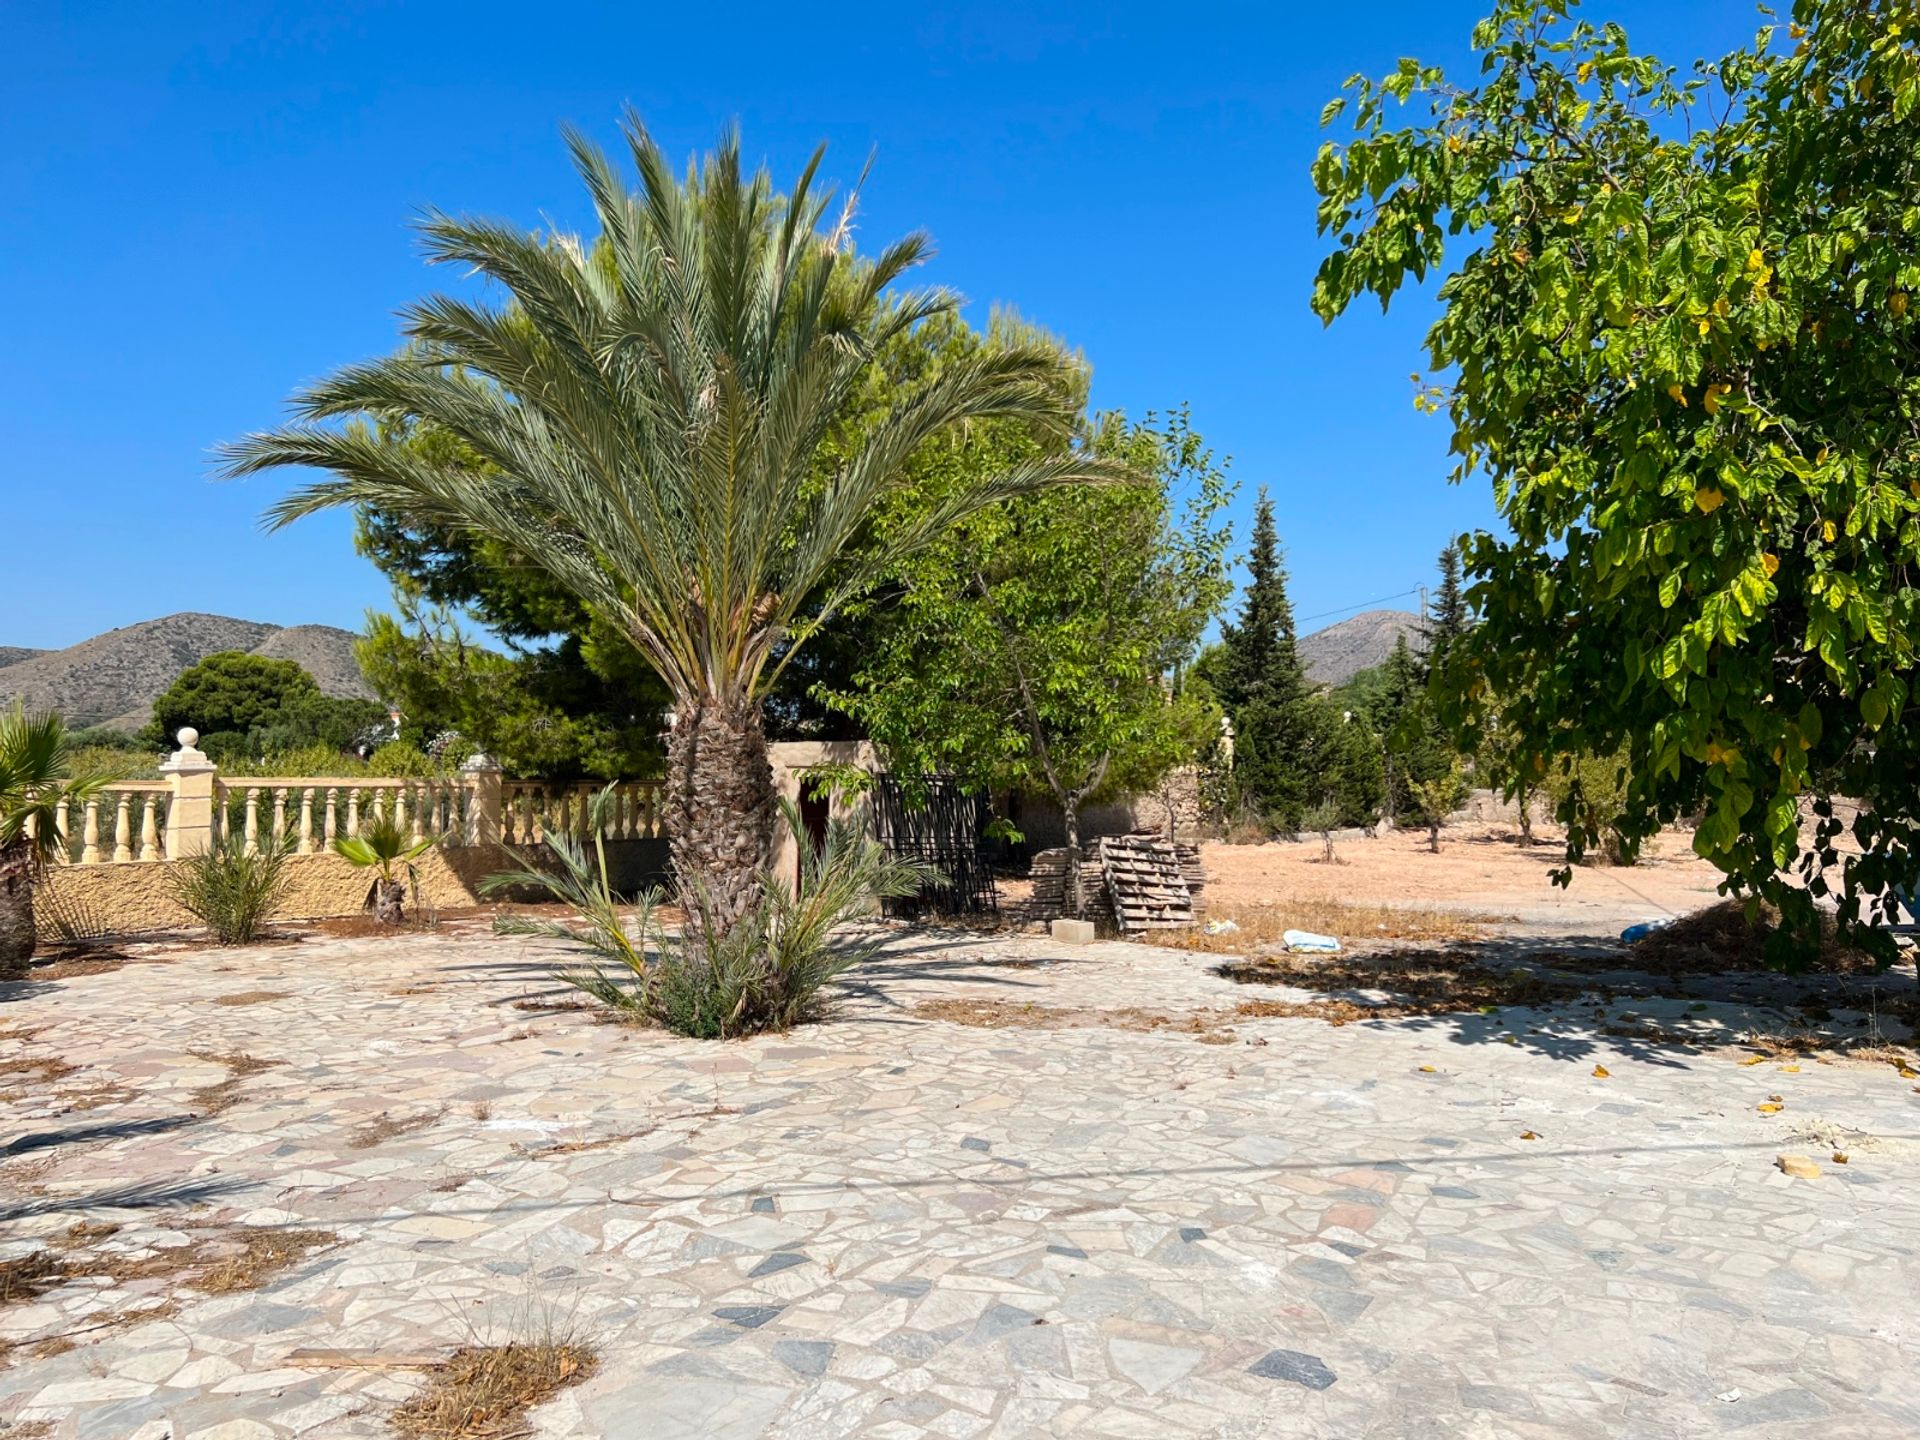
(888, 1226)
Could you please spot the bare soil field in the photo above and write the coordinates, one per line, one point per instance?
(1481, 869)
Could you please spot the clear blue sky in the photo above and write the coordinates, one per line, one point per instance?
(207, 204)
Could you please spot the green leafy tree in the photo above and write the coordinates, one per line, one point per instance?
(648, 409)
(255, 705)
(1035, 647)
(1678, 336)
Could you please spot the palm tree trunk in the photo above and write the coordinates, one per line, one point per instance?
(720, 808)
(389, 901)
(17, 937)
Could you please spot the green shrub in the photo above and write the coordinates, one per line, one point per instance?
(231, 892)
(397, 760)
(1592, 789)
(766, 973)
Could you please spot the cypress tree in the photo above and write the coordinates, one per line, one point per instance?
(1449, 619)
(1278, 723)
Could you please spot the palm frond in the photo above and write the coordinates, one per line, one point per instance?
(642, 418)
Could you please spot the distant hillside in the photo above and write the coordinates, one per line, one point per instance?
(113, 679)
(14, 654)
(1340, 651)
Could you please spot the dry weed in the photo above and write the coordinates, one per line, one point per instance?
(1261, 926)
(1415, 983)
(384, 1127)
(237, 1258)
(212, 1099)
(250, 997)
(483, 1392)
(1007, 1015)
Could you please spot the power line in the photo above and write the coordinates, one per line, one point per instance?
(1345, 609)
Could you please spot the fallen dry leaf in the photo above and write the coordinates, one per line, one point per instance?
(1600, 1072)
(1769, 1107)
(1798, 1166)
(1754, 1060)
(1789, 1069)
(1528, 1135)
(1839, 1157)
(1427, 1070)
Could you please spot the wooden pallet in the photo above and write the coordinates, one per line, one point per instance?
(1146, 882)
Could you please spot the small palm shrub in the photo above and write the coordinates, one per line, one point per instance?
(765, 972)
(381, 846)
(230, 891)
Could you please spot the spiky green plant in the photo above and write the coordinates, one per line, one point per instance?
(766, 972)
(645, 419)
(37, 777)
(381, 846)
(232, 888)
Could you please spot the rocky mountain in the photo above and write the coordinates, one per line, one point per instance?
(13, 654)
(1337, 653)
(113, 679)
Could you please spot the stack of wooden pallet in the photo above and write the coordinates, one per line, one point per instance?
(1049, 875)
(1146, 883)
(1195, 875)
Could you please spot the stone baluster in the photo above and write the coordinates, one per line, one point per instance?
(90, 841)
(353, 813)
(62, 823)
(421, 797)
(150, 828)
(329, 826)
(279, 835)
(306, 820)
(253, 819)
(123, 827)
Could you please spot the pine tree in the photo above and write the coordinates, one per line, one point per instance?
(1261, 660)
(1449, 619)
(1280, 726)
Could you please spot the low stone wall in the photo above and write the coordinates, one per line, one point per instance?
(132, 899)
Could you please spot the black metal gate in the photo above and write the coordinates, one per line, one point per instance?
(942, 830)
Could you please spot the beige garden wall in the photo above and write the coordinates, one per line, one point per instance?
(130, 899)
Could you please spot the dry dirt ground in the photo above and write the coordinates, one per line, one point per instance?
(1481, 869)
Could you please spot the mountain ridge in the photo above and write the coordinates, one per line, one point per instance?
(113, 678)
(1338, 652)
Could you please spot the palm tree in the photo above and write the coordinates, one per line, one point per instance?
(644, 420)
(382, 847)
(36, 777)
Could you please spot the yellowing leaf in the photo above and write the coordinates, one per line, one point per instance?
(1769, 1107)
(1600, 1072)
(1789, 1069)
(1756, 259)
(1771, 562)
(1898, 304)
(1721, 307)
(1677, 393)
(1585, 72)
(1754, 1060)
(1528, 1135)
(1710, 402)
(1427, 1070)
(1827, 532)
(1839, 1157)
(1708, 498)
(1706, 327)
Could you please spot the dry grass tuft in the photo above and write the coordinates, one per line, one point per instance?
(239, 1258)
(252, 1256)
(251, 997)
(1414, 983)
(1261, 926)
(1008, 1015)
(384, 1127)
(483, 1392)
(212, 1099)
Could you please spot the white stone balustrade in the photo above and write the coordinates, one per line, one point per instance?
(183, 814)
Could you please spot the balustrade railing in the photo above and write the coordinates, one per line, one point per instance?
(530, 810)
(123, 822)
(133, 821)
(308, 814)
